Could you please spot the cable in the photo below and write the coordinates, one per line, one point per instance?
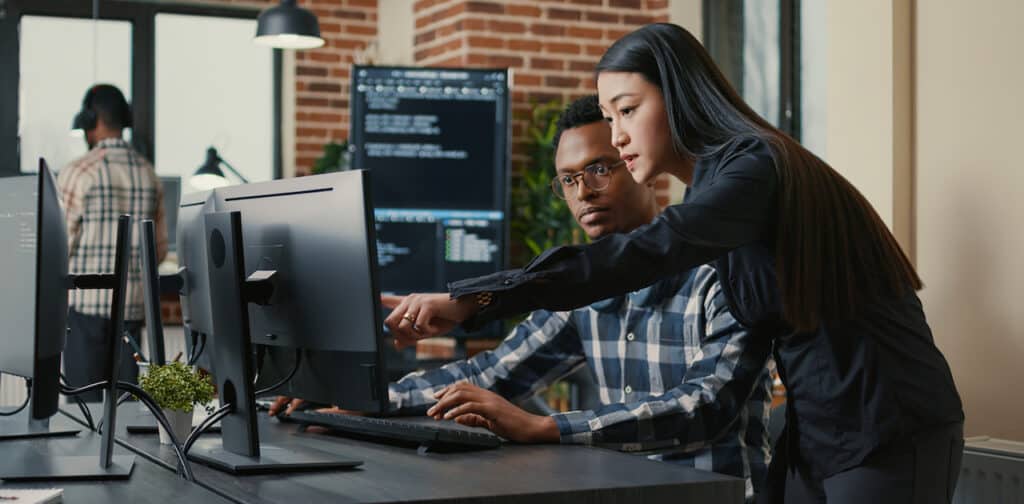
(28, 398)
(85, 413)
(81, 405)
(68, 391)
(295, 369)
(207, 422)
(158, 413)
(197, 350)
(186, 468)
(261, 353)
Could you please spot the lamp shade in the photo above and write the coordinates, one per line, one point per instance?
(288, 26)
(209, 175)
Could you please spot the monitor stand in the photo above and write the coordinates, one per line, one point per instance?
(22, 426)
(33, 463)
(239, 450)
(30, 465)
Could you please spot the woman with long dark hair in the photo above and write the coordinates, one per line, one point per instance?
(873, 414)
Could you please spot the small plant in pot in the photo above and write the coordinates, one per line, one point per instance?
(177, 388)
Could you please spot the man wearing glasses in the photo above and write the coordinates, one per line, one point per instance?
(675, 372)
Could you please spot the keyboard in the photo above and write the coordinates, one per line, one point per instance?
(433, 435)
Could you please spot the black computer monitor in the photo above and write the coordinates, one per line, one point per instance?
(195, 291)
(35, 255)
(315, 234)
(437, 143)
(33, 308)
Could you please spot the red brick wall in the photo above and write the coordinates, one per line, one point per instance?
(551, 46)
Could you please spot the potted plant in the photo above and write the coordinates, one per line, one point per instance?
(336, 157)
(176, 388)
(540, 220)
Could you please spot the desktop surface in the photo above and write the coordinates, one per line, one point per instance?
(149, 482)
(542, 473)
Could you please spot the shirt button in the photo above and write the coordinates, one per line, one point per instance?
(628, 389)
(630, 337)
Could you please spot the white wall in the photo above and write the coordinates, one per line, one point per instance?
(866, 130)
(970, 184)
(689, 15)
(395, 33)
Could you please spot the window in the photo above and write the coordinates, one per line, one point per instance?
(212, 89)
(163, 56)
(756, 44)
(55, 75)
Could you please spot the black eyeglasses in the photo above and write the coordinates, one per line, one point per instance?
(596, 177)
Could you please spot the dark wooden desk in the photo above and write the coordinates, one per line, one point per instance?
(512, 473)
(149, 482)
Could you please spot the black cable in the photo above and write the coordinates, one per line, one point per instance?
(153, 408)
(197, 350)
(68, 391)
(28, 398)
(86, 414)
(261, 354)
(158, 413)
(205, 425)
(286, 379)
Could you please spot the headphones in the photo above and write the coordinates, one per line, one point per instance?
(109, 95)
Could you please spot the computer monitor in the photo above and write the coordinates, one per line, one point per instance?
(172, 198)
(33, 256)
(315, 234)
(195, 291)
(437, 143)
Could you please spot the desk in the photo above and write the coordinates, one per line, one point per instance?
(149, 482)
(512, 473)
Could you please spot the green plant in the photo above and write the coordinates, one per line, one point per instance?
(540, 220)
(175, 386)
(335, 158)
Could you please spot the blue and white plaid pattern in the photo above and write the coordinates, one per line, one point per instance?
(108, 181)
(672, 365)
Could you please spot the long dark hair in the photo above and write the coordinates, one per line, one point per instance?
(833, 253)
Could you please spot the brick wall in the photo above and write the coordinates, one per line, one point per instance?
(551, 46)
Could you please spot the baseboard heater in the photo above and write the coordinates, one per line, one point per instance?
(992, 472)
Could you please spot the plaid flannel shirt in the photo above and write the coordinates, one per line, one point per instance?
(673, 368)
(108, 181)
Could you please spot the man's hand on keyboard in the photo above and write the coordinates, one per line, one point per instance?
(286, 403)
(471, 405)
(290, 405)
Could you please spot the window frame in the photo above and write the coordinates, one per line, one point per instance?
(726, 48)
(142, 15)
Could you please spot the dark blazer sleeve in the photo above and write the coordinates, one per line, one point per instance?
(734, 207)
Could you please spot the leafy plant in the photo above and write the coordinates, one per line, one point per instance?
(540, 220)
(336, 158)
(176, 386)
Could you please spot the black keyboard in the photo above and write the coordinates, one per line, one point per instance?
(434, 435)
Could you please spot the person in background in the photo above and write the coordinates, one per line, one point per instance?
(110, 180)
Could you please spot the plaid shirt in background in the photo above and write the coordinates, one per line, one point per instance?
(108, 181)
(672, 365)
